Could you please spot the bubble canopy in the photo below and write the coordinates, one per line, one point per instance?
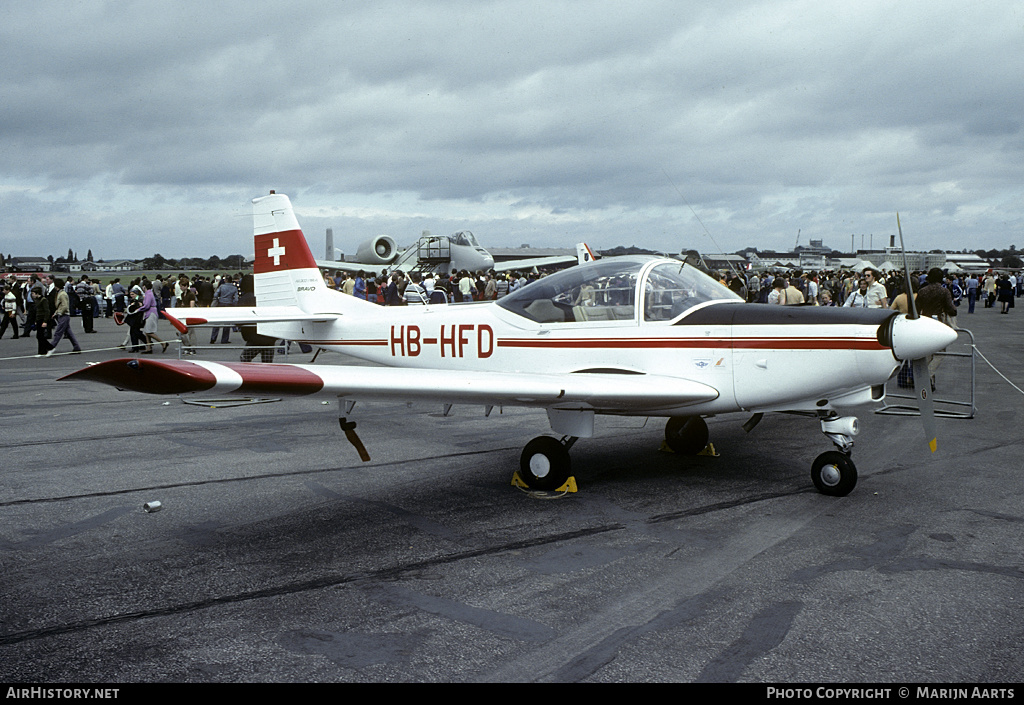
(615, 289)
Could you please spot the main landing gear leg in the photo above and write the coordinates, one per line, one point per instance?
(686, 435)
(349, 427)
(544, 464)
(832, 472)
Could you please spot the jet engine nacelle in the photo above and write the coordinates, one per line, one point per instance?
(380, 250)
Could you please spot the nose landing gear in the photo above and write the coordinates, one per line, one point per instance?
(833, 472)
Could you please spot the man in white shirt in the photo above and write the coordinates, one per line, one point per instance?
(877, 295)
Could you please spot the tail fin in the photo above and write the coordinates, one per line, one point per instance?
(285, 271)
(583, 253)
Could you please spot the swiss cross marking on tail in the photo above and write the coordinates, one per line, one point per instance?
(276, 252)
(281, 250)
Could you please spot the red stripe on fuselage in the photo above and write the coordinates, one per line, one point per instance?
(357, 343)
(698, 343)
(656, 343)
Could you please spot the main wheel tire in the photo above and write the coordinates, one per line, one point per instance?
(686, 435)
(833, 473)
(545, 464)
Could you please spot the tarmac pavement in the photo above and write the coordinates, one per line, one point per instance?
(277, 556)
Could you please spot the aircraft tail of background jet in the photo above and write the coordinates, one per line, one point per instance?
(584, 254)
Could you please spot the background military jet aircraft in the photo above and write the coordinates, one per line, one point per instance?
(442, 254)
(633, 336)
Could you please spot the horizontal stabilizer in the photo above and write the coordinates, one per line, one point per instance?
(241, 315)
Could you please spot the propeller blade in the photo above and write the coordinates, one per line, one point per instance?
(925, 403)
(922, 378)
(906, 274)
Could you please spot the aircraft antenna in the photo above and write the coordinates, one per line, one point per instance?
(706, 231)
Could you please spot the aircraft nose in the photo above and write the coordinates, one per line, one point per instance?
(916, 338)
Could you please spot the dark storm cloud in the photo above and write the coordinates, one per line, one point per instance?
(610, 121)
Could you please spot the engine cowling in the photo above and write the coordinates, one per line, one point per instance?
(379, 250)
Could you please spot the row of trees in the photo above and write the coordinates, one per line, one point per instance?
(234, 262)
(1002, 258)
(158, 261)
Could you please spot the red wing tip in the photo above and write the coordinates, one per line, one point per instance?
(150, 376)
(178, 325)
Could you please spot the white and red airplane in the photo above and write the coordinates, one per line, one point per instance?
(634, 336)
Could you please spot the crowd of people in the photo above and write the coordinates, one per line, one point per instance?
(403, 288)
(872, 288)
(45, 304)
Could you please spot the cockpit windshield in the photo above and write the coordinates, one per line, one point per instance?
(465, 237)
(673, 288)
(606, 291)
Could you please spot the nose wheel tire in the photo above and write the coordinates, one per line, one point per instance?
(544, 464)
(833, 473)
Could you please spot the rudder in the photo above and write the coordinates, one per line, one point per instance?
(285, 271)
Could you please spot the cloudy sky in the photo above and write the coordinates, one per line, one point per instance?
(134, 128)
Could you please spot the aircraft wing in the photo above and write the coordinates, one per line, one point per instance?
(571, 391)
(583, 255)
(530, 263)
(332, 266)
